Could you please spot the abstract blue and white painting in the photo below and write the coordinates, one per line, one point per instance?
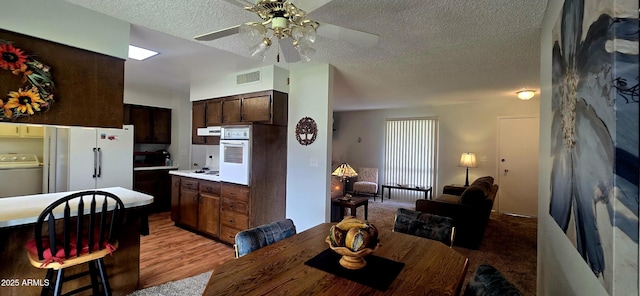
(594, 144)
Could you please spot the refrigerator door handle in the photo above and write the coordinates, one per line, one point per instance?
(95, 162)
(99, 162)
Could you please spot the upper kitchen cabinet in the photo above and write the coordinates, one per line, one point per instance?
(152, 125)
(267, 107)
(231, 110)
(200, 118)
(214, 112)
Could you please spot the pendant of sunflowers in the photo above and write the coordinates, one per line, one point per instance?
(35, 95)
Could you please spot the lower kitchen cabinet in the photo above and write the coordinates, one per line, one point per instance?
(196, 204)
(155, 183)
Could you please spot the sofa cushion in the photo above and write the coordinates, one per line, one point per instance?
(449, 198)
(477, 191)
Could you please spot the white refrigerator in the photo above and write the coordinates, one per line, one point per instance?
(78, 158)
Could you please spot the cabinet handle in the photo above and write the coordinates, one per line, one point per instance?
(231, 221)
(232, 206)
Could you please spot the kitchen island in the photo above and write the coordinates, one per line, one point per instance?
(17, 219)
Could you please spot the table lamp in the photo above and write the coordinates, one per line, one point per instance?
(345, 171)
(468, 160)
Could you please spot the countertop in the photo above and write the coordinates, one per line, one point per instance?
(22, 210)
(152, 168)
(191, 174)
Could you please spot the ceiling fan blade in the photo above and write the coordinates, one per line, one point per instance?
(308, 5)
(289, 53)
(359, 38)
(241, 3)
(218, 34)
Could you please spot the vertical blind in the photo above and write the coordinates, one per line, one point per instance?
(410, 155)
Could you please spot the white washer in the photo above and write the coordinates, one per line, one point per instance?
(20, 174)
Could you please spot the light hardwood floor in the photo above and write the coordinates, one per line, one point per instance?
(171, 253)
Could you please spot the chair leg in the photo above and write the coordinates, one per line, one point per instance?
(46, 290)
(59, 277)
(93, 273)
(104, 277)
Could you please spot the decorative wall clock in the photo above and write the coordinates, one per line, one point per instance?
(35, 95)
(306, 131)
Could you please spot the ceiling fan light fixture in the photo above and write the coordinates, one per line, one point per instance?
(252, 33)
(305, 34)
(261, 48)
(305, 50)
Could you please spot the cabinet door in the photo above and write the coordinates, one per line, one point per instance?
(214, 112)
(175, 198)
(209, 214)
(256, 109)
(32, 131)
(147, 182)
(162, 126)
(231, 110)
(189, 207)
(141, 119)
(198, 120)
(9, 130)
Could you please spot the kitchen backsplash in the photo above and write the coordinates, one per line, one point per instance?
(205, 156)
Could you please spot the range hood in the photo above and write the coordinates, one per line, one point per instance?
(209, 131)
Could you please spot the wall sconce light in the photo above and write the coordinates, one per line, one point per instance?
(526, 94)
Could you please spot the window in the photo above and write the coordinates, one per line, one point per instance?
(410, 155)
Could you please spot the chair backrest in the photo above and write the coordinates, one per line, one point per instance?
(252, 239)
(79, 223)
(425, 225)
(488, 281)
(368, 175)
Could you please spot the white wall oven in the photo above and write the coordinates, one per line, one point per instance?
(235, 154)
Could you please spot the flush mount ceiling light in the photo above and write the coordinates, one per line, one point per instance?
(139, 53)
(525, 94)
(290, 27)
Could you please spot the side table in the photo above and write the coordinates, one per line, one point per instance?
(352, 204)
(454, 189)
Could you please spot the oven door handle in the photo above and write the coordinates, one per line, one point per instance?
(236, 144)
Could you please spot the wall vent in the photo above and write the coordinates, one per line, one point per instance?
(248, 77)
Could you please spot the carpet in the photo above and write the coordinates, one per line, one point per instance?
(190, 286)
(509, 244)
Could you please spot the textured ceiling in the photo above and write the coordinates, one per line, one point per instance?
(430, 52)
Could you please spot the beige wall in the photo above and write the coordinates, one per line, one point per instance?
(463, 128)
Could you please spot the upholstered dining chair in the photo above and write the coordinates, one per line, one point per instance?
(76, 229)
(367, 182)
(252, 239)
(425, 225)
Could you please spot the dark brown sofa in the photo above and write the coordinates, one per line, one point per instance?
(468, 207)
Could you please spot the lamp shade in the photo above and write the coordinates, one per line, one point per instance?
(468, 159)
(344, 170)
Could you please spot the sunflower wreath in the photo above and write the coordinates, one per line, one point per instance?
(36, 93)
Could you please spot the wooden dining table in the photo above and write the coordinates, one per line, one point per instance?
(430, 268)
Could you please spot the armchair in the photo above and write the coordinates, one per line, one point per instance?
(367, 182)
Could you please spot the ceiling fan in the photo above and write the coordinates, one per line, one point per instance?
(289, 27)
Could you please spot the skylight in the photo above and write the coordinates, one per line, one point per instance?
(139, 53)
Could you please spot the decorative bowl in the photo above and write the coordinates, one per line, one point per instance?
(351, 259)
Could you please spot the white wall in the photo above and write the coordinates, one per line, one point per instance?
(463, 128)
(271, 78)
(311, 95)
(67, 23)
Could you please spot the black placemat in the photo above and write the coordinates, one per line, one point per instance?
(379, 272)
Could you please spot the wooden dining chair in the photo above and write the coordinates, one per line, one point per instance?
(79, 228)
(425, 225)
(252, 239)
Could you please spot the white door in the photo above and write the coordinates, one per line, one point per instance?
(82, 158)
(518, 165)
(115, 158)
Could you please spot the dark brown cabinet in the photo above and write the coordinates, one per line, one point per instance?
(234, 216)
(151, 125)
(256, 109)
(175, 198)
(196, 204)
(155, 183)
(189, 202)
(231, 110)
(202, 111)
